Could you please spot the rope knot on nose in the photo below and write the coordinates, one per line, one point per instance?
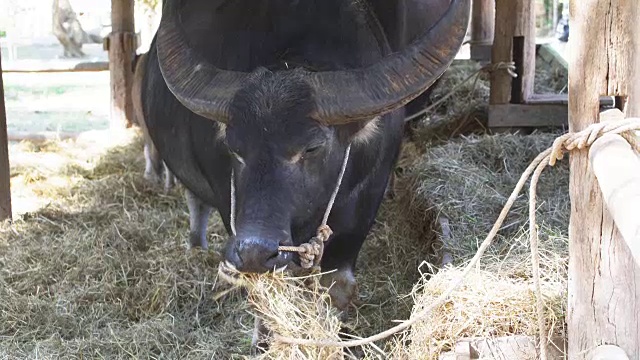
(311, 252)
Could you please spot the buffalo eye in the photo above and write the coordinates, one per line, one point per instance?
(312, 149)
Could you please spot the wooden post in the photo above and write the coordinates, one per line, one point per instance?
(501, 51)
(617, 169)
(524, 51)
(122, 49)
(604, 281)
(515, 41)
(482, 29)
(5, 178)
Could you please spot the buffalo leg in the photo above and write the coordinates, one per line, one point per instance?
(153, 163)
(341, 282)
(169, 179)
(198, 218)
(259, 339)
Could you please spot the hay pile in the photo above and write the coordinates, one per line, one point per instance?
(292, 307)
(121, 283)
(466, 112)
(101, 271)
(468, 181)
(98, 267)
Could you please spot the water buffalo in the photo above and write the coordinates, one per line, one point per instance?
(155, 168)
(274, 92)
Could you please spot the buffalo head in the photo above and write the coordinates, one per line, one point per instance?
(287, 131)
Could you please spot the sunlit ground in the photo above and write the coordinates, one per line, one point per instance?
(57, 102)
(51, 103)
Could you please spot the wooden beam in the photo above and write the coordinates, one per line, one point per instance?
(517, 347)
(482, 29)
(604, 281)
(5, 178)
(544, 110)
(500, 88)
(605, 101)
(617, 169)
(548, 54)
(527, 115)
(121, 46)
(515, 41)
(80, 67)
(524, 50)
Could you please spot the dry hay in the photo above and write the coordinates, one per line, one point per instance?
(466, 111)
(468, 181)
(102, 272)
(99, 267)
(294, 307)
(102, 269)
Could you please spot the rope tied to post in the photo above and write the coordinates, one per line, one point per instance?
(564, 143)
(509, 67)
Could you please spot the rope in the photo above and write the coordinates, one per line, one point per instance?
(509, 67)
(566, 142)
(311, 251)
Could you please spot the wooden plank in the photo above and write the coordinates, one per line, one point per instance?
(500, 88)
(517, 347)
(551, 56)
(515, 25)
(5, 178)
(121, 46)
(541, 110)
(605, 101)
(80, 67)
(526, 115)
(482, 29)
(525, 56)
(604, 281)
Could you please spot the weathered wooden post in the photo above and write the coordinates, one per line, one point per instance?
(603, 319)
(514, 41)
(121, 45)
(483, 15)
(5, 184)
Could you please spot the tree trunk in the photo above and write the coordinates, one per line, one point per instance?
(68, 30)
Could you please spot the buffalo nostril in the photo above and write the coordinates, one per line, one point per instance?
(258, 255)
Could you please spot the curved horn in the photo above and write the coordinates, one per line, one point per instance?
(198, 85)
(341, 96)
(361, 94)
